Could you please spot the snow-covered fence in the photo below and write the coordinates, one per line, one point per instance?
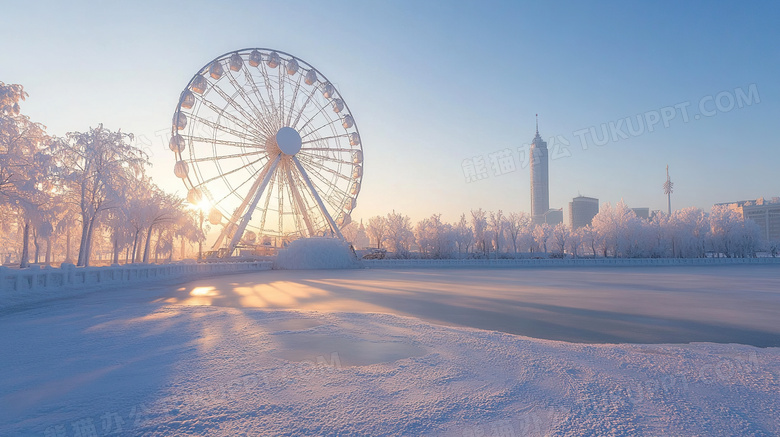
(69, 277)
(579, 262)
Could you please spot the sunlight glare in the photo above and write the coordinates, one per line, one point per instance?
(204, 291)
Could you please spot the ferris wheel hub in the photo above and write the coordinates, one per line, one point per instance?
(288, 140)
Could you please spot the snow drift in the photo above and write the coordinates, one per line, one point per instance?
(316, 253)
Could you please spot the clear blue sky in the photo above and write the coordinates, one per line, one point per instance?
(432, 84)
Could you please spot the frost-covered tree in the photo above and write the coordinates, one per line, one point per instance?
(620, 230)
(464, 236)
(479, 226)
(686, 232)
(542, 234)
(496, 223)
(575, 241)
(589, 240)
(99, 164)
(25, 162)
(160, 209)
(399, 235)
(20, 141)
(725, 229)
(377, 229)
(436, 238)
(560, 236)
(515, 223)
(350, 232)
(355, 233)
(422, 236)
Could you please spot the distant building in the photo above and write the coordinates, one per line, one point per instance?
(766, 214)
(656, 214)
(553, 216)
(643, 213)
(540, 186)
(582, 210)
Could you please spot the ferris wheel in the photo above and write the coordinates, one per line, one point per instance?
(268, 147)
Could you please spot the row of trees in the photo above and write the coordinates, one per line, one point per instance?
(616, 231)
(82, 191)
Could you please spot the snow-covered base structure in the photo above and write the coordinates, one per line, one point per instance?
(316, 253)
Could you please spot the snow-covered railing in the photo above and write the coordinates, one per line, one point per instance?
(579, 262)
(69, 277)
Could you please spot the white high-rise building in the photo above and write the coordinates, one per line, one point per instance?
(540, 184)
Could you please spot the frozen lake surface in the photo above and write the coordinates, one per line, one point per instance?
(403, 352)
(729, 304)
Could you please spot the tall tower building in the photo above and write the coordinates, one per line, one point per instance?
(540, 185)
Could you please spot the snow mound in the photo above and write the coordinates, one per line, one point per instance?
(316, 253)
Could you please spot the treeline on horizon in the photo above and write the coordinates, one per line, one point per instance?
(616, 231)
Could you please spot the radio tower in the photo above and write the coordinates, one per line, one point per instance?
(668, 189)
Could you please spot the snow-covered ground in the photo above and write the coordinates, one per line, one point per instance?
(336, 353)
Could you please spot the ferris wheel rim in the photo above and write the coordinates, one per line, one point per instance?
(227, 54)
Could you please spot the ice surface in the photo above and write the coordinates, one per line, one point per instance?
(316, 253)
(149, 362)
(729, 304)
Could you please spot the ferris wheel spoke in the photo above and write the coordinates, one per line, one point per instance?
(222, 175)
(269, 88)
(322, 108)
(242, 145)
(222, 128)
(294, 98)
(324, 160)
(281, 88)
(219, 113)
(248, 117)
(309, 97)
(258, 117)
(326, 169)
(221, 157)
(251, 80)
(235, 190)
(326, 149)
(319, 181)
(330, 159)
(332, 137)
(327, 187)
(328, 124)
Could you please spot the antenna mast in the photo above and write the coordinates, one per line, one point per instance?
(668, 189)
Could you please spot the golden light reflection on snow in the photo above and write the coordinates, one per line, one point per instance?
(204, 291)
(282, 294)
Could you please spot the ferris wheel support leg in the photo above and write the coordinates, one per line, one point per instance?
(316, 196)
(248, 215)
(227, 231)
(299, 200)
